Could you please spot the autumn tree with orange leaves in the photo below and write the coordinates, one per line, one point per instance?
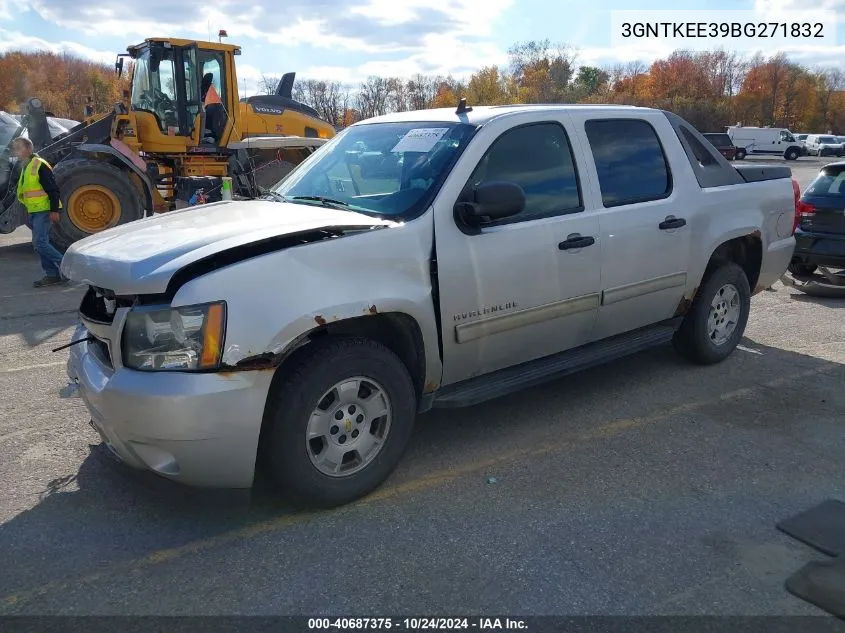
(62, 82)
(711, 89)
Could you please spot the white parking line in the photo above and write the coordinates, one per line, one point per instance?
(28, 367)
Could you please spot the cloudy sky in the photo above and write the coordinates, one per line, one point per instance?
(350, 39)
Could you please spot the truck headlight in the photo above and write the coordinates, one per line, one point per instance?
(174, 339)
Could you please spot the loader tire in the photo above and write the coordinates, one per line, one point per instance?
(95, 196)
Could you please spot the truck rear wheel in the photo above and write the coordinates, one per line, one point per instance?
(740, 153)
(339, 422)
(95, 196)
(716, 321)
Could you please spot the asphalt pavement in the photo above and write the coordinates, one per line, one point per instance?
(647, 486)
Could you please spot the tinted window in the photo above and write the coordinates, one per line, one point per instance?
(719, 140)
(539, 159)
(829, 183)
(702, 154)
(630, 161)
(827, 139)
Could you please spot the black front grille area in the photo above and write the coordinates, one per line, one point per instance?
(99, 305)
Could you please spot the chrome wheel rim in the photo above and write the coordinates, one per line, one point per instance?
(725, 309)
(348, 427)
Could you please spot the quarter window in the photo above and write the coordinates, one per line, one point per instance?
(537, 157)
(629, 160)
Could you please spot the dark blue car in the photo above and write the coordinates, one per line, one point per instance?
(820, 234)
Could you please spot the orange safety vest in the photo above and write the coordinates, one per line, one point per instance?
(212, 97)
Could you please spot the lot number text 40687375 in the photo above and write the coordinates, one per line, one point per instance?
(417, 624)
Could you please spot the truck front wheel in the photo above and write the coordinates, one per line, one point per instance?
(716, 321)
(338, 424)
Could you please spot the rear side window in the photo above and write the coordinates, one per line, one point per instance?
(719, 140)
(630, 161)
(829, 183)
(701, 153)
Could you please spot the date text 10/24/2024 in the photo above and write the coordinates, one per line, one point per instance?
(417, 624)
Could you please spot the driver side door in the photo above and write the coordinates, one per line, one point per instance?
(526, 286)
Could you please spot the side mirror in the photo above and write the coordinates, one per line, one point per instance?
(492, 201)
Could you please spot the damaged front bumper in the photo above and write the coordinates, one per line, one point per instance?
(199, 429)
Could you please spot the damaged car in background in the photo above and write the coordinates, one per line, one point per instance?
(424, 259)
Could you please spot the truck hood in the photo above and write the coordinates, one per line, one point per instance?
(140, 257)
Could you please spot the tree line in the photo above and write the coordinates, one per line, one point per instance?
(63, 82)
(711, 89)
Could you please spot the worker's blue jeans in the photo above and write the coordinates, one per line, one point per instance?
(51, 259)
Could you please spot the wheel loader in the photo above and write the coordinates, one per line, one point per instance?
(180, 129)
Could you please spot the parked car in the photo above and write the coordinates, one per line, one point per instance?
(820, 234)
(823, 145)
(437, 258)
(768, 141)
(723, 143)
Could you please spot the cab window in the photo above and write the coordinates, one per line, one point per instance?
(212, 63)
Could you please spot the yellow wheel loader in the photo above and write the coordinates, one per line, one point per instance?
(180, 129)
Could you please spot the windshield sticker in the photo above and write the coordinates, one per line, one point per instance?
(420, 140)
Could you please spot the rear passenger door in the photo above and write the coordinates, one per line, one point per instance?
(643, 224)
(526, 286)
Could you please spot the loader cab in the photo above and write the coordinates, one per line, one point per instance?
(169, 85)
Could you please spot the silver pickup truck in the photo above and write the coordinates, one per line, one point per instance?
(423, 259)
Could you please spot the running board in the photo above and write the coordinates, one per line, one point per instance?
(512, 379)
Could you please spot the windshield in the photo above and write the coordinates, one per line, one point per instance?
(387, 169)
(827, 139)
(154, 91)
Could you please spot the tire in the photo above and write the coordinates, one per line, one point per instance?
(693, 340)
(285, 453)
(791, 154)
(106, 184)
(740, 154)
(801, 270)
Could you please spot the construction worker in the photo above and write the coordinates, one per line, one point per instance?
(39, 194)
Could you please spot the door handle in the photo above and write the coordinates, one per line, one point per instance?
(672, 223)
(576, 241)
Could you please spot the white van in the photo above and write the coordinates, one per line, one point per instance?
(823, 145)
(770, 141)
